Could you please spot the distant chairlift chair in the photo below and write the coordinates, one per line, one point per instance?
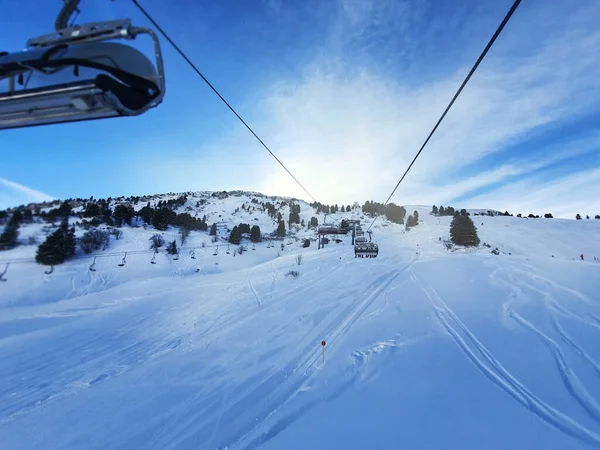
(366, 250)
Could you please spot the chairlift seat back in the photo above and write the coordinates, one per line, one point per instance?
(76, 82)
(366, 249)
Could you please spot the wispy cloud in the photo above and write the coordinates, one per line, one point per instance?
(563, 197)
(14, 194)
(350, 131)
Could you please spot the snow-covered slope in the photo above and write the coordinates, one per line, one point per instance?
(426, 348)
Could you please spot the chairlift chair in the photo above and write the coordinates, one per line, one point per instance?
(153, 260)
(193, 254)
(366, 250)
(4, 273)
(73, 74)
(124, 261)
(92, 265)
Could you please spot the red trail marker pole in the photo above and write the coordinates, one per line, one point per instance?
(323, 343)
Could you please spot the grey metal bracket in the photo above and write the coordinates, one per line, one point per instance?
(88, 32)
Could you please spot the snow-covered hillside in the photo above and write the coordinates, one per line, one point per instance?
(425, 348)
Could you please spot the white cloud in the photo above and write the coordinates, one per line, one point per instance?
(350, 132)
(15, 194)
(563, 197)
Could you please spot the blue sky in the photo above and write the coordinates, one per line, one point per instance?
(344, 91)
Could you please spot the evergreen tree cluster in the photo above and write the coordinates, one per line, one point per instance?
(373, 208)
(235, 237)
(330, 209)
(271, 209)
(413, 220)
(164, 216)
(395, 213)
(54, 214)
(173, 203)
(123, 214)
(441, 211)
(189, 222)
(58, 247)
(314, 222)
(463, 231)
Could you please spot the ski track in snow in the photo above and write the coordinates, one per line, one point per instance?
(256, 296)
(553, 308)
(569, 378)
(310, 361)
(500, 375)
(244, 395)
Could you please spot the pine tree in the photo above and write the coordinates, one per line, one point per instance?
(10, 235)
(281, 229)
(146, 213)
(213, 229)
(548, 216)
(59, 246)
(235, 236)
(463, 231)
(416, 217)
(578, 216)
(51, 252)
(255, 233)
(442, 211)
(434, 210)
(463, 212)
